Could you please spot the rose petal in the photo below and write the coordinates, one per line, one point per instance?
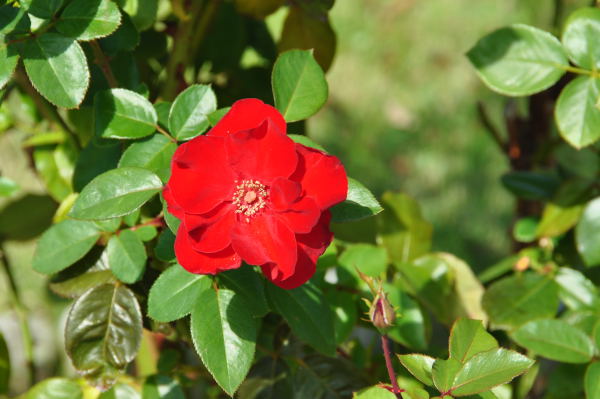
(322, 176)
(203, 263)
(317, 241)
(266, 239)
(211, 232)
(201, 177)
(263, 153)
(247, 114)
(305, 268)
(172, 206)
(283, 193)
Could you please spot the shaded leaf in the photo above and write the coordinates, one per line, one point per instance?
(89, 19)
(4, 366)
(359, 204)
(123, 114)
(248, 284)
(162, 387)
(26, 217)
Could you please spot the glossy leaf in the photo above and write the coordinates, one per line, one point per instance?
(57, 68)
(189, 114)
(64, 244)
(576, 112)
(120, 391)
(224, 334)
(55, 388)
(116, 193)
(518, 60)
(127, 256)
(489, 369)
(420, 366)
(123, 114)
(89, 19)
(104, 331)
(7, 187)
(307, 313)
(444, 372)
(586, 233)
(153, 153)
(91, 271)
(8, 61)
(142, 12)
(298, 138)
(42, 8)
(162, 387)
(592, 381)
(215, 117)
(515, 300)
(579, 37)
(557, 219)
(404, 232)
(299, 85)
(531, 185)
(175, 292)
(556, 340)
(359, 204)
(374, 393)
(4, 366)
(576, 290)
(468, 338)
(248, 284)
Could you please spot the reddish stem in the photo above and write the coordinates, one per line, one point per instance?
(385, 344)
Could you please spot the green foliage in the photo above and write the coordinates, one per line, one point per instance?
(123, 114)
(188, 117)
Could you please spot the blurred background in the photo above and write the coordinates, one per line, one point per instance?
(402, 115)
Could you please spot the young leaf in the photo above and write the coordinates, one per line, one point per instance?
(63, 244)
(359, 204)
(518, 60)
(89, 19)
(556, 340)
(56, 388)
(592, 381)
(299, 85)
(127, 256)
(224, 334)
(576, 112)
(175, 293)
(116, 193)
(579, 37)
(489, 369)
(246, 283)
(104, 331)
(153, 153)
(468, 338)
(308, 315)
(420, 366)
(57, 68)
(189, 114)
(123, 114)
(515, 300)
(586, 233)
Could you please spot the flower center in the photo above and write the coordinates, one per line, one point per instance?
(249, 197)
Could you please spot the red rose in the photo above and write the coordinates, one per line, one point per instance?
(246, 191)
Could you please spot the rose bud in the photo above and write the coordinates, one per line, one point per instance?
(382, 313)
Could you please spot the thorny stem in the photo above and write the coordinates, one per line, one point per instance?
(385, 344)
(104, 64)
(46, 109)
(20, 311)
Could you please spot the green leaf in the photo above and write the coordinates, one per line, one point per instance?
(367, 258)
(468, 338)
(248, 284)
(127, 256)
(299, 85)
(402, 229)
(576, 113)
(7, 187)
(189, 114)
(63, 244)
(55, 388)
(444, 372)
(420, 366)
(344, 312)
(146, 233)
(524, 229)
(556, 340)
(307, 314)
(153, 153)
(224, 334)
(142, 12)
(165, 247)
(162, 387)
(579, 37)
(116, 193)
(298, 138)
(42, 8)
(215, 117)
(558, 219)
(97, 157)
(123, 114)
(575, 290)
(89, 272)
(592, 381)
(120, 391)
(4, 366)
(8, 61)
(175, 293)
(515, 300)
(57, 68)
(518, 60)
(586, 233)
(360, 203)
(489, 369)
(323, 377)
(126, 38)
(89, 19)
(374, 393)
(26, 217)
(410, 329)
(531, 185)
(103, 332)
(14, 20)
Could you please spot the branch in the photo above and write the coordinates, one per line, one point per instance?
(104, 64)
(385, 344)
(489, 126)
